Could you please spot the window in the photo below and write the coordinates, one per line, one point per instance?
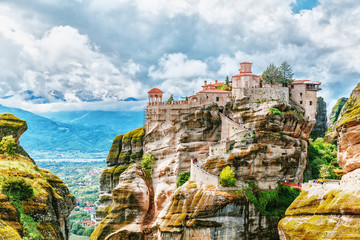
(292, 86)
(310, 103)
(217, 99)
(300, 102)
(301, 94)
(207, 97)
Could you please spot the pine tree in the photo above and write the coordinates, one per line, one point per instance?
(227, 82)
(286, 73)
(171, 98)
(272, 75)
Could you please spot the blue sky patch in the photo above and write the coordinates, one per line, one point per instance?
(304, 4)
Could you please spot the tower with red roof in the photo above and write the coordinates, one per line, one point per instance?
(155, 96)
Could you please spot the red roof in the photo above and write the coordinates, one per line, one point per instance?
(155, 90)
(245, 62)
(305, 81)
(213, 84)
(213, 91)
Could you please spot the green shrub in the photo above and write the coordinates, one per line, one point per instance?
(183, 177)
(148, 162)
(275, 111)
(271, 203)
(227, 177)
(320, 154)
(18, 187)
(8, 145)
(81, 231)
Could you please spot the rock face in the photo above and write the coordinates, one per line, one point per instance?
(134, 207)
(125, 149)
(49, 207)
(332, 211)
(320, 127)
(131, 207)
(348, 129)
(196, 213)
(336, 112)
(274, 148)
(175, 144)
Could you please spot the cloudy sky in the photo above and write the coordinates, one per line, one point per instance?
(122, 48)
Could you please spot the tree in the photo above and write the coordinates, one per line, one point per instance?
(286, 73)
(171, 98)
(272, 75)
(227, 177)
(227, 82)
(88, 231)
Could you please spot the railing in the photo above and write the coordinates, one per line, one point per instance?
(199, 175)
(182, 102)
(232, 130)
(290, 184)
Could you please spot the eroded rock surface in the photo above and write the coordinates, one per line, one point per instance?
(131, 207)
(335, 113)
(275, 148)
(331, 211)
(348, 129)
(175, 144)
(126, 149)
(52, 202)
(195, 213)
(320, 127)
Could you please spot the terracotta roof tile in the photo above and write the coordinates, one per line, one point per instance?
(155, 90)
(213, 91)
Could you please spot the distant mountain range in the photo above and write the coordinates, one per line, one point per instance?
(75, 134)
(58, 96)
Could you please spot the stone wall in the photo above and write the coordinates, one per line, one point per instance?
(228, 128)
(209, 97)
(167, 112)
(202, 177)
(262, 94)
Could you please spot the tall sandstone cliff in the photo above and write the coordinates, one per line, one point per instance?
(266, 147)
(45, 214)
(320, 127)
(332, 211)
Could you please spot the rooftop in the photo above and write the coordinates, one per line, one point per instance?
(155, 90)
(213, 91)
(305, 81)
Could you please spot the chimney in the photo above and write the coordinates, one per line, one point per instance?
(215, 81)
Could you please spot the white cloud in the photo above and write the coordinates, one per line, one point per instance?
(113, 47)
(64, 60)
(178, 66)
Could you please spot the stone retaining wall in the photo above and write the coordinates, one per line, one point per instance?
(262, 94)
(201, 177)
